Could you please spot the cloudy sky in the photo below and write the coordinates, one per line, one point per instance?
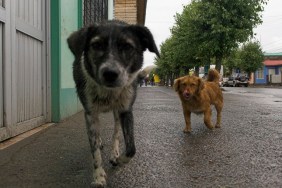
(160, 18)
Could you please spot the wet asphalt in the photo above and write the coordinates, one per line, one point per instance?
(245, 152)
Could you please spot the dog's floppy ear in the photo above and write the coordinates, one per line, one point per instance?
(176, 84)
(200, 84)
(146, 38)
(77, 40)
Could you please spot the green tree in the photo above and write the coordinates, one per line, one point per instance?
(208, 30)
(187, 41)
(219, 26)
(232, 61)
(165, 64)
(251, 57)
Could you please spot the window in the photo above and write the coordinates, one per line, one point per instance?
(260, 73)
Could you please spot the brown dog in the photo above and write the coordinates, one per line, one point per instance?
(198, 95)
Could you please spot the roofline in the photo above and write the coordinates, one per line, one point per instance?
(273, 54)
(141, 11)
(269, 62)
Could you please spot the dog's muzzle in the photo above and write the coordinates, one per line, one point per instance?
(186, 95)
(110, 77)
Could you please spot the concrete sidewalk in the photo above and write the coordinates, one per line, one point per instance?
(245, 152)
(54, 157)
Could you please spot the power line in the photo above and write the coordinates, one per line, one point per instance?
(271, 43)
(272, 22)
(278, 15)
(274, 48)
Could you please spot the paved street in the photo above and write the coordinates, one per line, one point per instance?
(245, 152)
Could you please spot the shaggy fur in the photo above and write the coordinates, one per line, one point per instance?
(108, 59)
(197, 96)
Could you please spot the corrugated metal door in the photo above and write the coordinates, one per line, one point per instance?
(26, 107)
(1, 62)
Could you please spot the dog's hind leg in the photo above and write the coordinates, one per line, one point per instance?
(92, 125)
(126, 119)
(207, 118)
(218, 108)
(115, 148)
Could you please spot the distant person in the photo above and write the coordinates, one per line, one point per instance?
(152, 81)
(146, 81)
(141, 82)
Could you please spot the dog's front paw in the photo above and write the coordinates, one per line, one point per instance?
(187, 130)
(114, 157)
(210, 126)
(99, 178)
(114, 161)
(217, 126)
(123, 159)
(120, 160)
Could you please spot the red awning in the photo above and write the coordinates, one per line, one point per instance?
(272, 62)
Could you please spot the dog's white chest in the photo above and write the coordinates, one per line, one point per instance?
(107, 100)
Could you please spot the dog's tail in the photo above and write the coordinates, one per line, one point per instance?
(213, 76)
(144, 72)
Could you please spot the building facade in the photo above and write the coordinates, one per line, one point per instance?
(25, 70)
(36, 84)
(271, 72)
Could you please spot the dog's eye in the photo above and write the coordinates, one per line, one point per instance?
(126, 47)
(98, 46)
(183, 84)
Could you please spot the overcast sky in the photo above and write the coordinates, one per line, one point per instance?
(160, 18)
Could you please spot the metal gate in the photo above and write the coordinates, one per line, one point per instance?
(23, 82)
(1, 63)
(94, 11)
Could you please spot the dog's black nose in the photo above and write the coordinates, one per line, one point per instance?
(110, 76)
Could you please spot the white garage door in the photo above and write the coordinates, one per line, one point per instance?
(1, 62)
(24, 79)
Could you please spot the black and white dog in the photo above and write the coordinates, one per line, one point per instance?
(108, 60)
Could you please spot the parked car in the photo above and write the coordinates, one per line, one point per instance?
(223, 82)
(237, 80)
